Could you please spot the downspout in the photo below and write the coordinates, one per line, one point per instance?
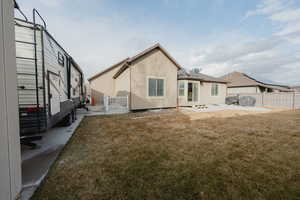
(44, 74)
(69, 59)
(177, 97)
(130, 95)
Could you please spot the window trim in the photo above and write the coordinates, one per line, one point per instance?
(61, 59)
(164, 89)
(183, 83)
(211, 91)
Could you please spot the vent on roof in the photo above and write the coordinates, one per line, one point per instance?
(196, 70)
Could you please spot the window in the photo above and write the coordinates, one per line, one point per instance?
(155, 87)
(181, 88)
(214, 89)
(61, 59)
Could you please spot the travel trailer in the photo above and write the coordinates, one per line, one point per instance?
(50, 82)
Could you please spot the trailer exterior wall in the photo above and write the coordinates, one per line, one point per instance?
(26, 67)
(44, 67)
(10, 161)
(52, 50)
(76, 84)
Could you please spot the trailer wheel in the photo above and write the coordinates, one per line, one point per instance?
(68, 120)
(73, 115)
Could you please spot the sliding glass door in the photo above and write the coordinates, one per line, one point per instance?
(192, 92)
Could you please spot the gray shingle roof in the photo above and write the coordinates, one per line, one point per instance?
(184, 75)
(238, 79)
(296, 88)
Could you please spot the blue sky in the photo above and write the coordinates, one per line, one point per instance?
(258, 37)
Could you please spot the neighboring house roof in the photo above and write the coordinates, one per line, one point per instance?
(184, 75)
(296, 88)
(128, 61)
(238, 79)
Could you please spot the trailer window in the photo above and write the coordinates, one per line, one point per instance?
(61, 59)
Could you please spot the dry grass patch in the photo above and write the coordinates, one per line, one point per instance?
(173, 157)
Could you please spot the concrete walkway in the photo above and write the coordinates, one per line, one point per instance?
(36, 163)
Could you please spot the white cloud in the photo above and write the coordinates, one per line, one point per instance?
(268, 7)
(265, 59)
(289, 28)
(98, 42)
(286, 15)
(280, 63)
(237, 50)
(51, 3)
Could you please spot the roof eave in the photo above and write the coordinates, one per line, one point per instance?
(145, 52)
(121, 70)
(131, 60)
(202, 80)
(107, 70)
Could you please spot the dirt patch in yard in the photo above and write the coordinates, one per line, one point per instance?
(176, 155)
(229, 113)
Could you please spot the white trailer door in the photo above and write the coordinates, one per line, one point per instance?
(54, 93)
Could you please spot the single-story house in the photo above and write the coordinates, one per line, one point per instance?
(296, 88)
(151, 79)
(195, 88)
(241, 83)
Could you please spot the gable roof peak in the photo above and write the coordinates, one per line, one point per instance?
(145, 52)
(126, 62)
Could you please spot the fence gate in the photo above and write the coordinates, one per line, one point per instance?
(117, 104)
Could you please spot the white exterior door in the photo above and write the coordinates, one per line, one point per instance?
(54, 93)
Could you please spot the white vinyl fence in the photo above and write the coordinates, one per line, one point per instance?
(116, 104)
(282, 99)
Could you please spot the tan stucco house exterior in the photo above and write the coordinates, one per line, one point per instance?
(154, 79)
(149, 79)
(195, 88)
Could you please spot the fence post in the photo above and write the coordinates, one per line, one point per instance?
(294, 99)
(106, 103)
(127, 102)
(262, 99)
